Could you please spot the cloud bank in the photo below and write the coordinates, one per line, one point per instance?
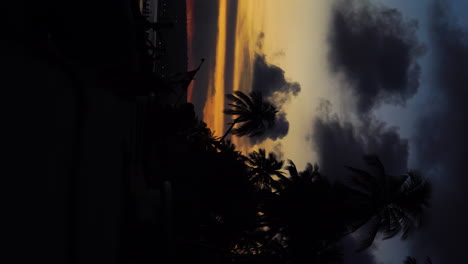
(441, 142)
(377, 51)
(270, 80)
(340, 143)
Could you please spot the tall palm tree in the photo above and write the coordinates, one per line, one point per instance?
(252, 113)
(384, 203)
(263, 169)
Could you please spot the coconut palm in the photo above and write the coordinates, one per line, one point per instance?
(253, 114)
(384, 203)
(309, 175)
(263, 170)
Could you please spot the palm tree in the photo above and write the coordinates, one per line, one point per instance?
(411, 260)
(309, 175)
(312, 213)
(253, 114)
(300, 218)
(384, 203)
(202, 138)
(227, 199)
(262, 169)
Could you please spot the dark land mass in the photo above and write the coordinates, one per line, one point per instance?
(133, 176)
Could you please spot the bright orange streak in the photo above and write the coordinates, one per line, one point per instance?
(213, 111)
(247, 31)
(190, 30)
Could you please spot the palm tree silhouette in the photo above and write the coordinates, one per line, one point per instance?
(411, 260)
(253, 114)
(384, 203)
(309, 175)
(263, 169)
(308, 209)
(202, 138)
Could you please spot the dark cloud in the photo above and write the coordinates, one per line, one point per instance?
(340, 143)
(441, 142)
(280, 130)
(270, 80)
(376, 50)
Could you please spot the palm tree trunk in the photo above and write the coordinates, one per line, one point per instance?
(227, 132)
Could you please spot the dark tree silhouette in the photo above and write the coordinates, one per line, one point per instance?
(263, 170)
(253, 114)
(297, 222)
(309, 214)
(202, 138)
(384, 203)
(411, 260)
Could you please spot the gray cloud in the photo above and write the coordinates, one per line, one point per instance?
(270, 80)
(280, 130)
(340, 143)
(441, 142)
(376, 50)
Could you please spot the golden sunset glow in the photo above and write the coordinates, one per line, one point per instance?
(248, 28)
(300, 51)
(213, 111)
(247, 31)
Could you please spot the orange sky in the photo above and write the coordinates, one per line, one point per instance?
(246, 33)
(303, 61)
(214, 106)
(190, 30)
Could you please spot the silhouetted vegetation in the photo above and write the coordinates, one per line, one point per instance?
(254, 208)
(411, 260)
(253, 114)
(189, 196)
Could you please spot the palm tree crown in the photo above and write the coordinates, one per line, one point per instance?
(263, 169)
(389, 204)
(252, 113)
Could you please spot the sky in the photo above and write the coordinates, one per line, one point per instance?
(349, 77)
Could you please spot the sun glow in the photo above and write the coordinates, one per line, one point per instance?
(213, 111)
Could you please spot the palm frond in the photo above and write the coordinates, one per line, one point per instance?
(252, 114)
(370, 235)
(410, 260)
